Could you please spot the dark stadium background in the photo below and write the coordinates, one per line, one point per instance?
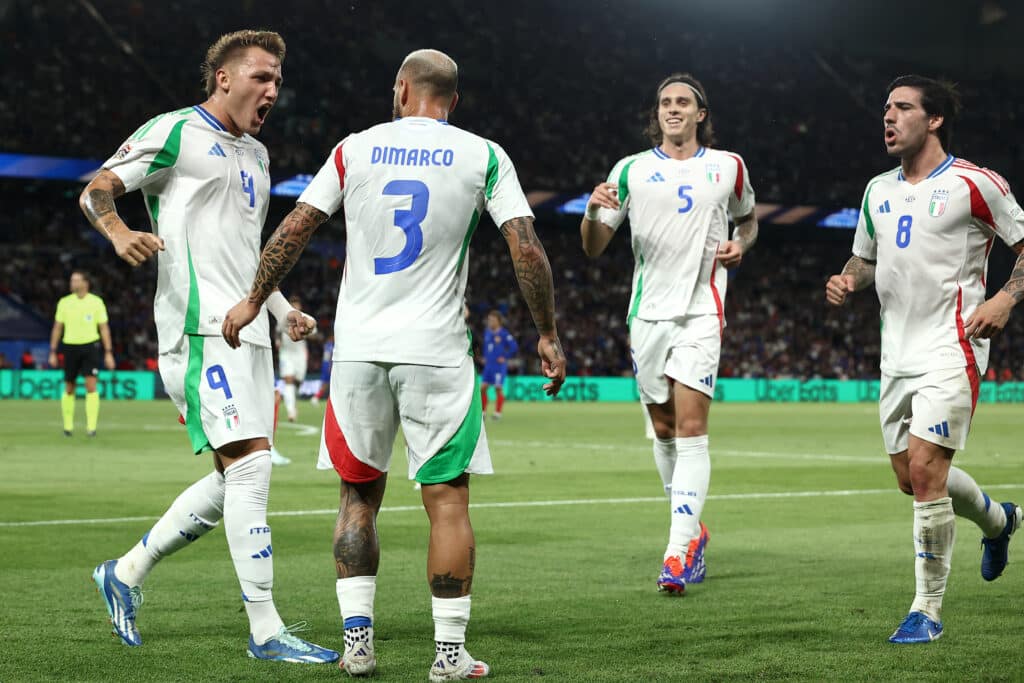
(795, 87)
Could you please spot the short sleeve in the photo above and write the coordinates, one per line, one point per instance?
(101, 312)
(993, 203)
(741, 199)
(326, 192)
(619, 176)
(503, 196)
(864, 244)
(61, 314)
(150, 153)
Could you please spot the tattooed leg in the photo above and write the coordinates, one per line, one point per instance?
(356, 547)
(452, 554)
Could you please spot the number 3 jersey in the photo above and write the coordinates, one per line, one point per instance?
(413, 191)
(931, 242)
(679, 216)
(206, 193)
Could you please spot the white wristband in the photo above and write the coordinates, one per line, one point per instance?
(592, 211)
(278, 306)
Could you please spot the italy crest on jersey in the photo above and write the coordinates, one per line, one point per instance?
(714, 172)
(937, 205)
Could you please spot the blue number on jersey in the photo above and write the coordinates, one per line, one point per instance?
(685, 197)
(903, 231)
(216, 378)
(409, 221)
(247, 188)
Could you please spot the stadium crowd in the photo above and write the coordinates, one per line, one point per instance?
(806, 121)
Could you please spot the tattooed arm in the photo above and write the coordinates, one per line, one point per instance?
(97, 203)
(280, 253)
(730, 254)
(857, 274)
(535, 282)
(990, 318)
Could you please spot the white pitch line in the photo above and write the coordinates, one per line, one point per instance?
(714, 451)
(518, 504)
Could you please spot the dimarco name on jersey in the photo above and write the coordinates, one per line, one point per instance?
(400, 156)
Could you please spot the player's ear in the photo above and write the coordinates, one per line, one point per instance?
(701, 115)
(455, 100)
(935, 122)
(223, 79)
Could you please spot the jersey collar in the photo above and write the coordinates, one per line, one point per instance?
(661, 155)
(946, 163)
(209, 118)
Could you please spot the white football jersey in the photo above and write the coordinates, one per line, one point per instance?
(679, 216)
(207, 193)
(931, 242)
(413, 191)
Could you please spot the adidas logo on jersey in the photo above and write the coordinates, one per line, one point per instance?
(656, 178)
(216, 151)
(941, 429)
(884, 207)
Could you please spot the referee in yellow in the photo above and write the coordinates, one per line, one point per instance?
(81, 324)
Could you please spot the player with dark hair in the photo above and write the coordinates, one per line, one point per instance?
(679, 197)
(80, 325)
(923, 239)
(499, 346)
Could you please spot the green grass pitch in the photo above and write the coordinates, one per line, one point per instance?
(810, 564)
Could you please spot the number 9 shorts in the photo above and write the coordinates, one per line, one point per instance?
(223, 394)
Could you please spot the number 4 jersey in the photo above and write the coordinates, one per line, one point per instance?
(413, 191)
(206, 193)
(931, 242)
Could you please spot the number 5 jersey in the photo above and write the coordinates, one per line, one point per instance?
(413, 192)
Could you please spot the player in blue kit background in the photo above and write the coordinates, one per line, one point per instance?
(499, 346)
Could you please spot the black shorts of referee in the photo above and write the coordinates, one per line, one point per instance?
(82, 359)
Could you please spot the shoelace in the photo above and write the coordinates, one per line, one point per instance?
(287, 636)
(135, 595)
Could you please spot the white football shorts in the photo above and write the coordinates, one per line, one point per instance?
(936, 407)
(223, 394)
(292, 365)
(686, 350)
(439, 410)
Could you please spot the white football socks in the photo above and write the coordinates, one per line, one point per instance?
(247, 488)
(665, 461)
(690, 480)
(193, 513)
(971, 502)
(934, 535)
(355, 600)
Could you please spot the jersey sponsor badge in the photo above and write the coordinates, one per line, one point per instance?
(937, 205)
(713, 172)
(123, 152)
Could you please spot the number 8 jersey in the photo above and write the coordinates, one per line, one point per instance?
(931, 242)
(413, 192)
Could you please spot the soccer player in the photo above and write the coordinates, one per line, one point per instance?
(923, 238)
(412, 191)
(292, 359)
(499, 346)
(679, 197)
(80, 325)
(205, 180)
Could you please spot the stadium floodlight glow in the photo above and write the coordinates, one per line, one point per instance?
(844, 219)
(44, 167)
(292, 187)
(577, 206)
